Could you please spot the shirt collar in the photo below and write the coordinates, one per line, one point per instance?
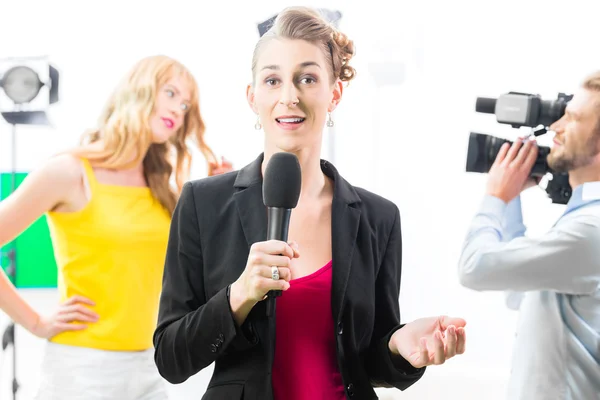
(590, 191)
(584, 194)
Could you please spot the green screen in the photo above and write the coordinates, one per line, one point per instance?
(36, 266)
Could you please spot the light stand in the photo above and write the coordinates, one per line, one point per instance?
(23, 81)
(8, 338)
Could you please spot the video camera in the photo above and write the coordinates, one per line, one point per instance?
(517, 110)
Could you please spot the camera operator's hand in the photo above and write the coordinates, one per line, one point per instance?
(509, 175)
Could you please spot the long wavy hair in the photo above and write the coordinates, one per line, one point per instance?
(126, 137)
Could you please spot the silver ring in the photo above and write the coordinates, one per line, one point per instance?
(275, 273)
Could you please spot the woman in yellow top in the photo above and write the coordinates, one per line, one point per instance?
(109, 203)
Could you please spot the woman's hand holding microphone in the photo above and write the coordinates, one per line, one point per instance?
(268, 268)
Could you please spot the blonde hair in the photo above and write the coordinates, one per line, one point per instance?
(124, 128)
(304, 23)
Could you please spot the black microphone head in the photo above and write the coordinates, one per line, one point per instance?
(485, 105)
(281, 183)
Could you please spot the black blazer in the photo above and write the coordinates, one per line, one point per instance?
(215, 222)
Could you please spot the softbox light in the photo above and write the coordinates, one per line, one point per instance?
(29, 86)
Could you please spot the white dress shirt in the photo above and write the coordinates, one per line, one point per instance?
(554, 281)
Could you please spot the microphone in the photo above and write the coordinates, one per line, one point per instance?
(281, 190)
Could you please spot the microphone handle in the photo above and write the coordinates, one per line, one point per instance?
(277, 229)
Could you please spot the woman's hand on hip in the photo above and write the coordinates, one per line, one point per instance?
(72, 315)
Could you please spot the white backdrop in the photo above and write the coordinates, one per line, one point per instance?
(401, 130)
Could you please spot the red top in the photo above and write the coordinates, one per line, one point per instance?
(305, 364)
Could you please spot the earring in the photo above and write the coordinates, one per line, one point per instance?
(329, 121)
(257, 125)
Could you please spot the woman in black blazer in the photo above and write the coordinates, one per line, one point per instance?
(336, 333)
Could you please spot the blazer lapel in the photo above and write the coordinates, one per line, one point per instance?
(344, 227)
(253, 218)
(249, 202)
(345, 220)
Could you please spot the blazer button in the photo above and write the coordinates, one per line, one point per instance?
(350, 390)
(213, 348)
(340, 328)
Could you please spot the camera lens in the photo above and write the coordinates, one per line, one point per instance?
(483, 150)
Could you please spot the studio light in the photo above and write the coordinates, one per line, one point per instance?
(29, 86)
(21, 84)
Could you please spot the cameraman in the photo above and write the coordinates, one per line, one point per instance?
(553, 279)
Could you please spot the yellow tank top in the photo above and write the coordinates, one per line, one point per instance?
(112, 252)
